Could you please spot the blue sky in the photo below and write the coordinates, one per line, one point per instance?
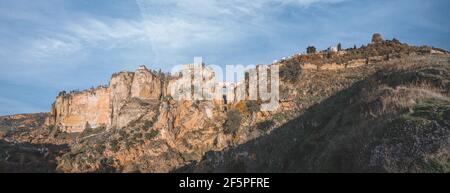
(51, 45)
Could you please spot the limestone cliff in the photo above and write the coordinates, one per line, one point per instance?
(76, 111)
(120, 92)
(146, 86)
(112, 106)
(128, 95)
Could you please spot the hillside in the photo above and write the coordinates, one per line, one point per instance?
(383, 107)
(396, 120)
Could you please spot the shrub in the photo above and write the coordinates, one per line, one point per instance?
(114, 145)
(233, 122)
(253, 106)
(129, 144)
(152, 134)
(132, 124)
(148, 124)
(437, 165)
(100, 148)
(431, 109)
(106, 165)
(290, 71)
(265, 125)
(137, 135)
(279, 117)
(123, 134)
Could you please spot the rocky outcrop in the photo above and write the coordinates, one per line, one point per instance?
(129, 93)
(113, 107)
(120, 92)
(76, 111)
(146, 86)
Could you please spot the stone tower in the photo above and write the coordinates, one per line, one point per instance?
(377, 38)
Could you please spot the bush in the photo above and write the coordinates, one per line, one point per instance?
(265, 125)
(431, 109)
(279, 117)
(132, 124)
(253, 106)
(152, 134)
(99, 148)
(233, 122)
(148, 124)
(137, 135)
(106, 165)
(129, 144)
(114, 145)
(290, 71)
(123, 134)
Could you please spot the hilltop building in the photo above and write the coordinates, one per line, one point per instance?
(311, 50)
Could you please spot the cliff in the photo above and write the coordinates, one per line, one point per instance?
(129, 94)
(106, 106)
(79, 110)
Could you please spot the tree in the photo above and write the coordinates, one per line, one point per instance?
(152, 134)
(252, 106)
(233, 122)
(265, 125)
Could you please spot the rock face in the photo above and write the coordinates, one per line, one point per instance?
(76, 111)
(146, 86)
(113, 106)
(129, 95)
(120, 91)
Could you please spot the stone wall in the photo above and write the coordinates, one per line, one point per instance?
(334, 66)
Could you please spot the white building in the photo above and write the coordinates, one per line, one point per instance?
(332, 49)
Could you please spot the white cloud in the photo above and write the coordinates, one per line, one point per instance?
(53, 47)
(217, 8)
(168, 26)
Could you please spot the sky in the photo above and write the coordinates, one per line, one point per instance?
(47, 46)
